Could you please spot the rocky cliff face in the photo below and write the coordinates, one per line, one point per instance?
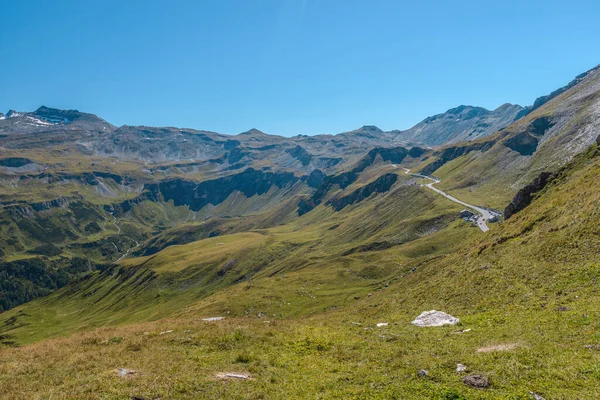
(447, 154)
(526, 141)
(197, 195)
(394, 155)
(379, 185)
(524, 197)
(14, 162)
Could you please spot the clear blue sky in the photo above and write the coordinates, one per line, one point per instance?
(288, 66)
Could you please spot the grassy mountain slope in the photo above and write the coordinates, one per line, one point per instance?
(528, 292)
(494, 168)
(404, 226)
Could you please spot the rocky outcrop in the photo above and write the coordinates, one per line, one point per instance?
(380, 185)
(525, 143)
(300, 154)
(416, 152)
(477, 381)
(235, 155)
(524, 197)
(197, 195)
(434, 318)
(315, 178)
(394, 155)
(14, 162)
(450, 153)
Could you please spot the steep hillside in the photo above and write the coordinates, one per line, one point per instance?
(526, 295)
(494, 168)
(74, 187)
(332, 234)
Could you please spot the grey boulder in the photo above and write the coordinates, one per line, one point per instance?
(435, 318)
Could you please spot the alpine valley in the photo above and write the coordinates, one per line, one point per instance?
(145, 262)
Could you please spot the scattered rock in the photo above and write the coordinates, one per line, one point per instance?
(213, 319)
(458, 332)
(461, 368)
(592, 346)
(162, 333)
(536, 396)
(125, 372)
(379, 325)
(229, 375)
(562, 308)
(486, 266)
(370, 294)
(423, 373)
(477, 381)
(260, 315)
(434, 318)
(498, 347)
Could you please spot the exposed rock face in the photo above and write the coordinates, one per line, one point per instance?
(524, 196)
(450, 153)
(345, 179)
(14, 162)
(434, 318)
(526, 142)
(416, 152)
(301, 154)
(380, 185)
(523, 143)
(197, 195)
(315, 179)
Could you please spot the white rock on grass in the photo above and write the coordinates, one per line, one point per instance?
(125, 372)
(229, 375)
(213, 319)
(435, 318)
(379, 325)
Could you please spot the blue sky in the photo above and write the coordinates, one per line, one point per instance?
(288, 66)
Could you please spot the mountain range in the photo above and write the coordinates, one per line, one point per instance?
(309, 255)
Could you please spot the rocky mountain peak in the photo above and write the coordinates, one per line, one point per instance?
(253, 132)
(370, 128)
(12, 114)
(56, 115)
(462, 123)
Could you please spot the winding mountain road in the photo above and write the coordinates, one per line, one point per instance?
(484, 215)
